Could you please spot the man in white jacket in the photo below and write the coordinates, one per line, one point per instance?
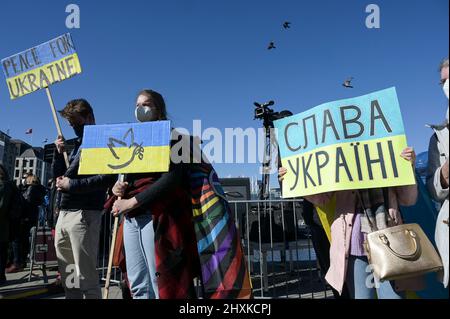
(437, 177)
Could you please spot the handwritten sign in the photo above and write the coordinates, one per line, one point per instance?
(349, 144)
(126, 148)
(41, 66)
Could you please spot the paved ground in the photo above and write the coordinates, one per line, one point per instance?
(280, 282)
(18, 287)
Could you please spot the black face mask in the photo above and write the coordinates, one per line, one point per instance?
(79, 130)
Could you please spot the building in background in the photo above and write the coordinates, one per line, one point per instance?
(18, 147)
(32, 162)
(19, 158)
(6, 156)
(49, 150)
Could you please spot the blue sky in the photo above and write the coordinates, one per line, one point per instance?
(209, 59)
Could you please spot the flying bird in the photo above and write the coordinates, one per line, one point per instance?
(287, 25)
(348, 83)
(271, 46)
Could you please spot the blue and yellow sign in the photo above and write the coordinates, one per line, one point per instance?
(41, 66)
(349, 144)
(126, 148)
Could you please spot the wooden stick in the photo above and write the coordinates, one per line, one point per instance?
(58, 126)
(111, 249)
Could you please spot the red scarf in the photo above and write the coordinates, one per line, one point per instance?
(177, 261)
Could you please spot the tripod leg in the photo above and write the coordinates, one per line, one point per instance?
(44, 273)
(33, 240)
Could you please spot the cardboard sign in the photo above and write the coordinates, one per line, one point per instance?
(349, 144)
(41, 66)
(126, 148)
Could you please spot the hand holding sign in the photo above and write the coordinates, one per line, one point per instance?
(120, 188)
(410, 155)
(124, 206)
(445, 175)
(281, 173)
(350, 144)
(60, 144)
(63, 184)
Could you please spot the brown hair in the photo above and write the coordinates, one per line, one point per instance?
(158, 100)
(79, 106)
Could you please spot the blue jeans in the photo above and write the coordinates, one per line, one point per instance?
(362, 285)
(139, 242)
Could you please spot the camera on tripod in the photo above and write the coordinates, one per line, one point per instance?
(263, 112)
(267, 115)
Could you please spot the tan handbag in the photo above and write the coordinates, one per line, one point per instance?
(400, 252)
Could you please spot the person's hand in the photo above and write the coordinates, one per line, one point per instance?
(410, 155)
(63, 183)
(120, 188)
(444, 175)
(281, 173)
(123, 206)
(60, 144)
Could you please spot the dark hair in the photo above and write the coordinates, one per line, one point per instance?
(79, 106)
(3, 174)
(158, 100)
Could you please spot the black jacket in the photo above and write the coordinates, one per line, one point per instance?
(85, 192)
(34, 197)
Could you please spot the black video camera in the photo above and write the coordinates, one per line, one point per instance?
(263, 112)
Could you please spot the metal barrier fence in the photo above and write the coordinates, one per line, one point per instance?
(277, 245)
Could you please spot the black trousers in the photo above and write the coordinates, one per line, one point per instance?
(3, 260)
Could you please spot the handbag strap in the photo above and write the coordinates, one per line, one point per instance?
(386, 205)
(361, 200)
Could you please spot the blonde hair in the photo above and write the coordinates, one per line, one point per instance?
(33, 180)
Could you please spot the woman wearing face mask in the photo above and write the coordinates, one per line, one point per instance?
(437, 177)
(159, 239)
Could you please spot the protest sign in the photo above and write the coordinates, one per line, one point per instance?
(41, 66)
(126, 148)
(349, 144)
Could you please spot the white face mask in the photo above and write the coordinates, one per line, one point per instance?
(445, 88)
(143, 114)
